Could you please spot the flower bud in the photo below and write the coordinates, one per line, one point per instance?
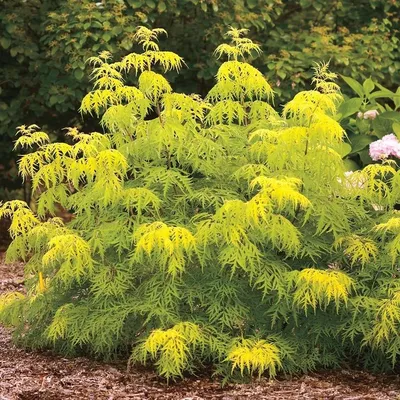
(371, 114)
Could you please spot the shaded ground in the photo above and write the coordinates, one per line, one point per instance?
(4, 235)
(43, 376)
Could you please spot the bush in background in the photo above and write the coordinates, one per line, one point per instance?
(44, 45)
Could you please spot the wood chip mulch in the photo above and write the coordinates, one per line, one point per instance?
(45, 376)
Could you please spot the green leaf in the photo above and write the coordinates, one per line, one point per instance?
(383, 94)
(79, 74)
(305, 3)
(126, 44)
(53, 100)
(5, 43)
(343, 149)
(359, 142)
(281, 74)
(106, 36)
(150, 3)
(357, 87)
(365, 157)
(349, 107)
(10, 28)
(396, 129)
(116, 30)
(397, 98)
(381, 126)
(161, 7)
(14, 51)
(368, 86)
(392, 115)
(135, 3)
(97, 24)
(252, 3)
(350, 165)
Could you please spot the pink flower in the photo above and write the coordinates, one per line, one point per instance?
(370, 114)
(387, 146)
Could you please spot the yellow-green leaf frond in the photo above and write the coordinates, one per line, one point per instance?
(236, 33)
(111, 162)
(153, 85)
(232, 52)
(306, 104)
(241, 46)
(96, 101)
(108, 71)
(69, 256)
(260, 110)
(254, 355)
(391, 226)
(359, 249)
(283, 235)
(11, 308)
(6, 299)
(30, 163)
(170, 246)
(140, 199)
(30, 136)
(103, 57)
(386, 323)
(166, 59)
(244, 255)
(119, 118)
(168, 179)
(237, 81)
(170, 347)
(390, 232)
(320, 287)
(148, 37)
(250, 171)
(22, 218)
(139, 62)
(226, 111)
(188, 105)
(49, 175)
(284, 192)
(324, 79)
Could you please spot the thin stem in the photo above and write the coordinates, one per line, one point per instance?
(159, 114)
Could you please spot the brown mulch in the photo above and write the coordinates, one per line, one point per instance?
(44, 376)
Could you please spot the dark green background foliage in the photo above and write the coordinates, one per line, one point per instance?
(44, 45)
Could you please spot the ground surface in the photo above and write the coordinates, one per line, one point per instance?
(43, 376)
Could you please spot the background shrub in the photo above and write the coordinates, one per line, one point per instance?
(44, 45)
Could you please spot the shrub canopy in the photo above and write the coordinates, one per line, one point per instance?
(220, 232)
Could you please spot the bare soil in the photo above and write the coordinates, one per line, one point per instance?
(45, 376)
